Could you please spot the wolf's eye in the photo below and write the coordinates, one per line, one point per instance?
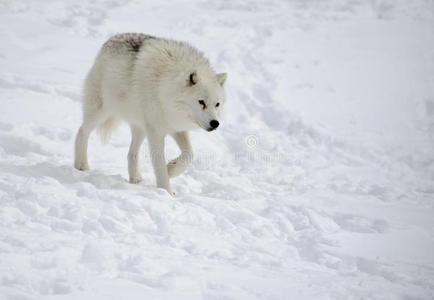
(218, 104)
(201, 102)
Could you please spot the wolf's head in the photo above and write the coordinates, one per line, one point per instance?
(202, 98)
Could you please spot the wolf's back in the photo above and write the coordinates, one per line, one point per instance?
(126, 43)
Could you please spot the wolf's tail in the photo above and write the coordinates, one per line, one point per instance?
(106, 129)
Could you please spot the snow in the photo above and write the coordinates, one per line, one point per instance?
(318, 185)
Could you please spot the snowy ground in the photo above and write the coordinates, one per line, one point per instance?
(318, 185)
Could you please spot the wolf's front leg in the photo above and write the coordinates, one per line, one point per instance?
(156, 149)
(180, 164)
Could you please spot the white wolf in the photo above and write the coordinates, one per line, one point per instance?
(159, 87)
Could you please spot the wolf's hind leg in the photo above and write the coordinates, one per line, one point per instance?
(180, 164)
(90, 121)
(156, 150)
(137, 137)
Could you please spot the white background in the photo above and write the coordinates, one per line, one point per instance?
(319, 183)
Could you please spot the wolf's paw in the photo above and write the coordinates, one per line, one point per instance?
(135, 179)
(82, 166)
(167, 188)
(175, 168)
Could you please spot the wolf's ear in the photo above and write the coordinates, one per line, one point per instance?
(192, 79)
(221, 78)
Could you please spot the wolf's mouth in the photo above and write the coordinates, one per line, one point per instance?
(198, 124)
(209, 129)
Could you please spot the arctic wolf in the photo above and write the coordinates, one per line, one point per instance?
(159, 87)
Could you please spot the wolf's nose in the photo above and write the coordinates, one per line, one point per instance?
(214, 124)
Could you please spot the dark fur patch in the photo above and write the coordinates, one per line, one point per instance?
(134, 44)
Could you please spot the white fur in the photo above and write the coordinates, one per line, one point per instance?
(146, 82)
